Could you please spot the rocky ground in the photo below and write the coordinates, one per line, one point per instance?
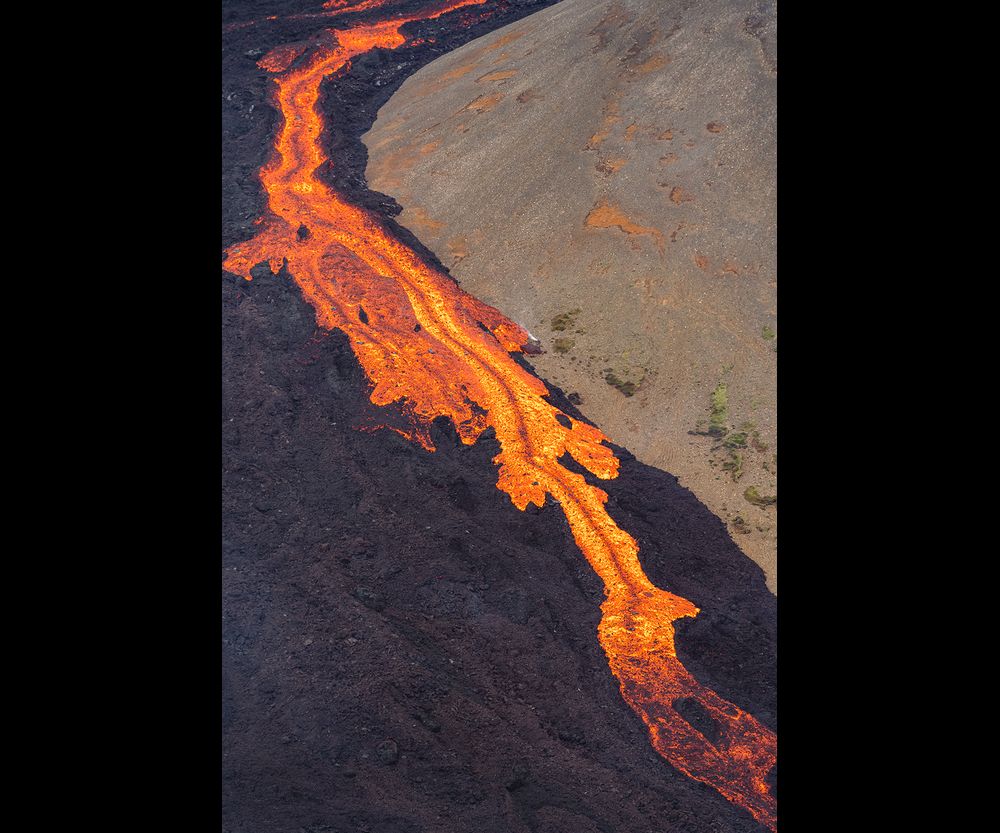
(605, 172)
(403, 650)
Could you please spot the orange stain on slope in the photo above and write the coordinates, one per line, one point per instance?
(612, 116)
(498, 75)
(607, 215)
(484, 103)
(437, 351)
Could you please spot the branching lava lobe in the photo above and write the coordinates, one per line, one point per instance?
(438, 351)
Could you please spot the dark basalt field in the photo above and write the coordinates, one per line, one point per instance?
(403, 650)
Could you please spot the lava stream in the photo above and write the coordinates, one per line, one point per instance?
(438, 351)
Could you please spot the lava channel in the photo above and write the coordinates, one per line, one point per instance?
(438, 351)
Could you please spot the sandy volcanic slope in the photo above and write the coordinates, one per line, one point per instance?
(612, 163)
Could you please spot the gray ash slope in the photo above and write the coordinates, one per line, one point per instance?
(403, 650)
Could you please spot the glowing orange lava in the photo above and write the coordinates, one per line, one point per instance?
(438, 351)
(332, 8)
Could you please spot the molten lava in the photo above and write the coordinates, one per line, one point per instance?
(438, 351)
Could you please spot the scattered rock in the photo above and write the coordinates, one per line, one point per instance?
(571, 734)
(740, 525)
(518, 777)
(387, 752)
(370, 598)
(429, 721)
(679, 195)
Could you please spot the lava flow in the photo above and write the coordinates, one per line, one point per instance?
(437, 351)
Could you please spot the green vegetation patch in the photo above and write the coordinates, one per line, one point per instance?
(752, 496)
(565, 320)
(719, 412)
(767, 332)
(564, 345)
(626, 387)
(734, 448)
(734, 465)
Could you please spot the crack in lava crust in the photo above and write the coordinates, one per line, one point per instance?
(419, 338)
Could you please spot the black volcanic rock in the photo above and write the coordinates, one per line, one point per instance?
(387, 752)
